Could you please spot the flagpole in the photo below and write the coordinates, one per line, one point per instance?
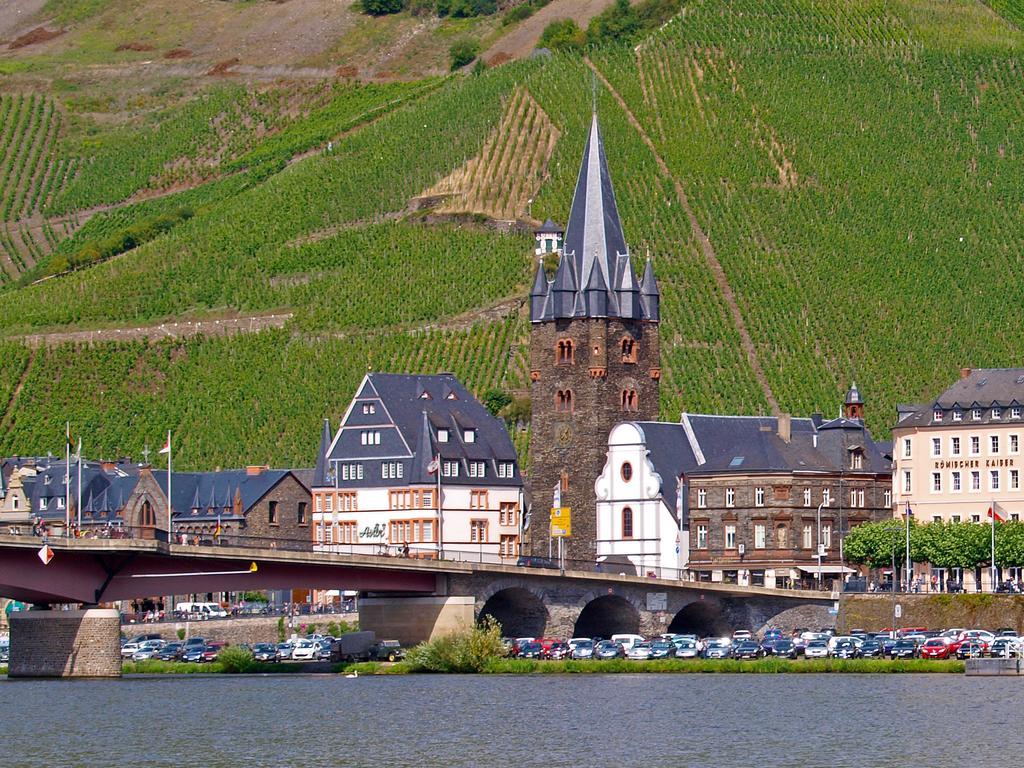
(78, 506)
(907, 585)
(993, 567)
(440, 512)
(170, 506)
(67, 478)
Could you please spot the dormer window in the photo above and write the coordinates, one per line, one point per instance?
(369, 409)
(1015, 413)
(46, 479)
(976, 414)
(958, 415)
(997, 413)
(469, 435)
(937, 414)
(424, 395)
(442, 435)
(856, 460)
(369, 437)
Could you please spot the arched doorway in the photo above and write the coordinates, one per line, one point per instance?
(520, 612)
(701, 618)
(607, 615)
(146, 521)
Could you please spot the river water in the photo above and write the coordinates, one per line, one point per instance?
(582, 721)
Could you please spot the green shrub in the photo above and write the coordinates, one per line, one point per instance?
(181, 634)
(463, 52)
(332, 629)
(470, 650)
(281, 633)
(382, 7)
(235, 659)
(563, 35)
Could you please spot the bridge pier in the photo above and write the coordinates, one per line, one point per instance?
(83, 643)
(412, 620)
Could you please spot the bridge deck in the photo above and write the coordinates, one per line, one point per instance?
(157, 567)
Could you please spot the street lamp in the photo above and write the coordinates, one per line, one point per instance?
(820, 552)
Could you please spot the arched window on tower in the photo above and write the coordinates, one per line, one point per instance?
(563, 400)
(629, 400)
(630, 349)
(627, 523)
(565, 352)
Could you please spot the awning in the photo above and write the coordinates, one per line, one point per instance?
(814, 571)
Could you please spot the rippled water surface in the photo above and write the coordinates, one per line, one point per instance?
(580, 721)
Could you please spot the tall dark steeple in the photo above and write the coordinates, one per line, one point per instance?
(595, 356)
(320, 473)
(594, 251)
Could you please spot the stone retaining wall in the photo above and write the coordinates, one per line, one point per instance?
(257, 629)
(940, 611)
(65, 643)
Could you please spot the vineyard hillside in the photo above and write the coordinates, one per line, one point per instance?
(829, 190)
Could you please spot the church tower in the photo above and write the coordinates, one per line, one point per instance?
(594, 357)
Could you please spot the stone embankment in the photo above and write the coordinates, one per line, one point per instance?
(250, 629)
(935, 611)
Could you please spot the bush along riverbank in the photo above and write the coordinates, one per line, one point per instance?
(232, 660)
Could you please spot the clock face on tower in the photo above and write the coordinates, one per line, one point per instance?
(563, 432)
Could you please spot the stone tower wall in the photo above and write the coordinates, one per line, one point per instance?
(576, 442)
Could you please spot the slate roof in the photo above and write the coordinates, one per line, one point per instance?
(984, 388)
(408, 411)
(549, 228)
(704, 444)
(213, 493)
(595, 275)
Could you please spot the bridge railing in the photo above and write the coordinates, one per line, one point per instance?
(454, 551)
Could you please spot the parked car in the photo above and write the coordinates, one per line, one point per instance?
(816, 649)
(784, 648)
(687, 649)
(903, 649)
(140, 639)
(305, 650)
(748, 649)
(970, 649)
(212, 651)
(1004, 647)
(557, 650)
(193, 642)
(846, 650)
(661, 649)
(584, 650)
(519, 642)
(170, 652)
(193, 653)
(532, 650)
(264, 652)
(741, 634)
(639, 651)
(717, 648)
(627, 641)
(387, 650)
(284, 651)
(574, 641)
(5, 653)
(871, 649)
(606, 649)
(530, 561)
(147, 650)
(935, 648)
(129, 649)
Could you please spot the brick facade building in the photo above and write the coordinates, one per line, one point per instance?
(594, 356)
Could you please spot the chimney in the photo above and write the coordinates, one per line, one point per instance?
(965, 372)
(253, 469)
(785, 427)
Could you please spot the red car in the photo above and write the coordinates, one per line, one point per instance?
(935, 648)
(212, 651)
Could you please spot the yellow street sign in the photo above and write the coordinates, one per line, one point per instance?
(253, 567)
(561, 522)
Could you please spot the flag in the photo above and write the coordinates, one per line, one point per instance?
(79, 452)
(434, 465)
(995, 512)
(218, 529)
(167, 445)
(909, 512)
(71, 440)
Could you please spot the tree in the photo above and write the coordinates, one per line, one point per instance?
(876, 544)
(563, 35)
(1010, 544)
(494, 400)
(463, 52)
(382, 7)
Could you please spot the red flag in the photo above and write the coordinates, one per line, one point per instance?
(993, 511)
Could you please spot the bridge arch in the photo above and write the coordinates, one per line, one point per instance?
(607, 614)
(521, 611)
(702, 618)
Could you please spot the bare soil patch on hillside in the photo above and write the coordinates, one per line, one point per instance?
(16, 16)
(522, 39)
(37, 35)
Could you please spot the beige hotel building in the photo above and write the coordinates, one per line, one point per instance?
(959, 455)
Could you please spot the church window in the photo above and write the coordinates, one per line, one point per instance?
(627, 523)
(563, 400)
(565, 352)
(629, 400)
(627, 471)
(629, 349)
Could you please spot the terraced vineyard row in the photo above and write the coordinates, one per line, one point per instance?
(862, 204)
(231, 402)
(30, 174)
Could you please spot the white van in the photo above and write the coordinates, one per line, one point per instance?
(200, 611)
(627, 641)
